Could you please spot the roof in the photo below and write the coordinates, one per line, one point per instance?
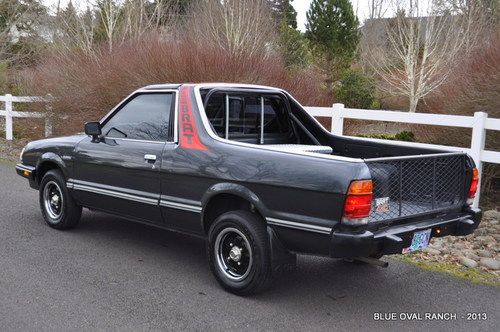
(169, 86)
(161, 86)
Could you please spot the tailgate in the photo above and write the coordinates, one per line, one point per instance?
(417, 185)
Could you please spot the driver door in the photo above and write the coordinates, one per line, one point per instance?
(120, 172)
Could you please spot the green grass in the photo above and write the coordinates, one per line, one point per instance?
(474, 275)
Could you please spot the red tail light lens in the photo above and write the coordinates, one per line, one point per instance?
(473, 186)
(358, 202)
(357, 206)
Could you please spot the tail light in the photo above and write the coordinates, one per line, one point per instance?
(473, 186)
(358, 202)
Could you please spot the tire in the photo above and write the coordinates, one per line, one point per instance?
(240, 237)
(59, 209)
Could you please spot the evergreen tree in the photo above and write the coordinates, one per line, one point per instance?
(21, 33)
(283, 10)
(294, 46)
(69, 16)
(332, 29)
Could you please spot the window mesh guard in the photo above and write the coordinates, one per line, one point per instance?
(411, 186)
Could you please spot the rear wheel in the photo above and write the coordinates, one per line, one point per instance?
(59, 209)
(239, 254)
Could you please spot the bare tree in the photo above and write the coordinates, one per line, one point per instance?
(141, 16)
(76, 28)
(116, 21)
(480, 15)
(237, 26)
(378, 8)
(370, 33)
(420, 50)
(109, 15)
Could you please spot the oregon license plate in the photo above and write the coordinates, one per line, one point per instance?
(420, 241)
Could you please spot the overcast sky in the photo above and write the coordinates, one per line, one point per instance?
(301, 6)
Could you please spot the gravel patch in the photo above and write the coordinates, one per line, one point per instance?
(468, 262)
(479, 250)
(10, 150)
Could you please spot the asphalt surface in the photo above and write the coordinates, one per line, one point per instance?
(117, 275)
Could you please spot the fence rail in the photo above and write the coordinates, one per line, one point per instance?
(479, 123)
(9, 113)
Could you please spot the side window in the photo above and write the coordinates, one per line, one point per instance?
(146, 117)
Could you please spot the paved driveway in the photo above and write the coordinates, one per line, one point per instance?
(114, 274)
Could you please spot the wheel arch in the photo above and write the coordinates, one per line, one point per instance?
(47, 162)
(223, 197)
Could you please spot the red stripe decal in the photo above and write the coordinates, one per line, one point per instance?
(189, 138)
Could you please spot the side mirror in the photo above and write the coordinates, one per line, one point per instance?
(93, 129)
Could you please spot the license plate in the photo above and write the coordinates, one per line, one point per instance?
(420, 241)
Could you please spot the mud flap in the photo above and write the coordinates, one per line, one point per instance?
(282, 260)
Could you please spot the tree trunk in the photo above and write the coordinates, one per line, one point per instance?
(413, 104)
(330, 74)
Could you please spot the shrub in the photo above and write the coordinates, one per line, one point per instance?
(86, 87)
(407, 136)
(3, 77)
(356, 90)
(474, 86)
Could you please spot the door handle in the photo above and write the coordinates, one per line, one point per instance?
(150, 157)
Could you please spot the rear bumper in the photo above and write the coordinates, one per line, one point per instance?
(392, 240)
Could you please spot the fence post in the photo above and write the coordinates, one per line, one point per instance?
(8, 117)
(48, 127)
(337, 119)
(477, 146)
(48, 115)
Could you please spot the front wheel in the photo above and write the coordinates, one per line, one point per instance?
(59, 209)
(239, 252)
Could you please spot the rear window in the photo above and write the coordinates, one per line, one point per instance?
(245, 115)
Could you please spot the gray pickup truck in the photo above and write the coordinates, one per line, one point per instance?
(247, 168)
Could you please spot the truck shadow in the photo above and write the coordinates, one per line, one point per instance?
(325, 291)
(188, 255)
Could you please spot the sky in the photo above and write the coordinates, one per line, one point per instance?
(301, 6)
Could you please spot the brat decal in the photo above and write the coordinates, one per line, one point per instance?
(189, 138)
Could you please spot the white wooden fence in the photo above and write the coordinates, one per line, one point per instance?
(9, 113)
(479, 123)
